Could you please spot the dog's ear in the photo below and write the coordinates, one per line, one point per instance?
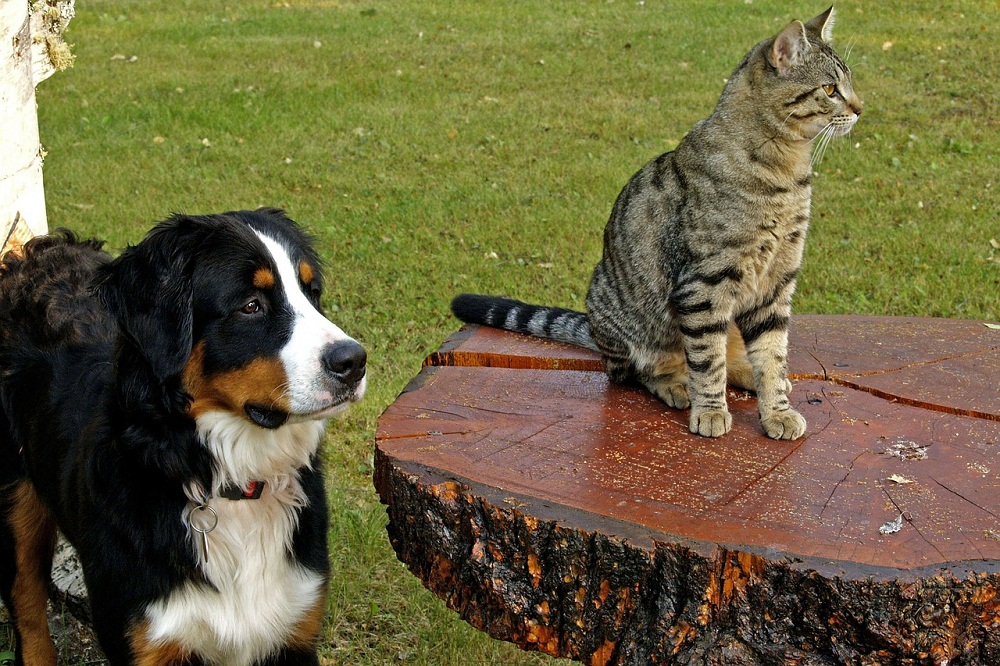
(148, 290)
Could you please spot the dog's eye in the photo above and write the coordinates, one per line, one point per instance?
(252, 307)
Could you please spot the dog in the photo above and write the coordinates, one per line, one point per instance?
(164, 409)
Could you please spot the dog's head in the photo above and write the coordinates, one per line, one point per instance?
(227, 307)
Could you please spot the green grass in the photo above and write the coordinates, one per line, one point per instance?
(439, 146)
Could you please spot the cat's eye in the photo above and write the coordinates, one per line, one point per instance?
(830, 89)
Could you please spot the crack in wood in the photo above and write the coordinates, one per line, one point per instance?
(913, 402)
(918, 364)
(837, 485)
(426, 433)
(908, 517)
(826, 375)
(757, 479)
(964, 498)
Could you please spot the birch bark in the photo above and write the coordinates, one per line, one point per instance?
(31, 49)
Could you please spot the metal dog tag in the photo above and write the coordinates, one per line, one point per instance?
(209, 523)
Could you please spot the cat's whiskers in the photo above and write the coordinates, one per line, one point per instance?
(816, 139)
(829, 136)
(822, 141)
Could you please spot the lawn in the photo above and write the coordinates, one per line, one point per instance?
(435, 147)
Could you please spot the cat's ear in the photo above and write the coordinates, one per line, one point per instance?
(821, 27)
(789, 48)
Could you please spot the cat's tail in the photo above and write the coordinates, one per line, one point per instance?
(540, 321)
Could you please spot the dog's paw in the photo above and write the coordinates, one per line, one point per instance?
(788, 424)
(710, 422)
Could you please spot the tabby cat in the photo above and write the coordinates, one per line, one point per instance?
(704, 243)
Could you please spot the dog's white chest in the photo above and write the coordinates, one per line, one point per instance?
(260, 592)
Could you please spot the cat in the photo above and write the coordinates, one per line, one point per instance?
(704, 243)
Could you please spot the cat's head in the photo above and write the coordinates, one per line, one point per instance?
(808, 83)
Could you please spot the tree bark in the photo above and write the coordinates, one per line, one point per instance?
(602, 591)
(31, 49)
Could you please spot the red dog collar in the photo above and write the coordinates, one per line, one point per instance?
(251, 492)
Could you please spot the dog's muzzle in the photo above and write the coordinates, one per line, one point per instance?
(338, 381)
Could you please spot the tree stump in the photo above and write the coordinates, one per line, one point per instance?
(582, 519)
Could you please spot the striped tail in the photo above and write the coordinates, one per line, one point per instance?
(540, 321)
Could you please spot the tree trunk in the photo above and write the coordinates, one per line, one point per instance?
(31, 49)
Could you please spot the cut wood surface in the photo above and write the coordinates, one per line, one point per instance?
(565, 514)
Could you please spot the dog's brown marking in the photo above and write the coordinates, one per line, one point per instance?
(306, 633)
(34, 533)
(263, 382)
(263, 278)
(149, 653)
(306, 273)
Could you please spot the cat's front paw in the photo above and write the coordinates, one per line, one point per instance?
(788, 424)
(710, 422)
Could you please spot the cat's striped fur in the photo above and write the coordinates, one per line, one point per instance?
(704, 243)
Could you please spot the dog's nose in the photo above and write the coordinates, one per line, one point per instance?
(346, 361)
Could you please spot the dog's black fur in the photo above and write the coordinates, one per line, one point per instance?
(97, 429)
